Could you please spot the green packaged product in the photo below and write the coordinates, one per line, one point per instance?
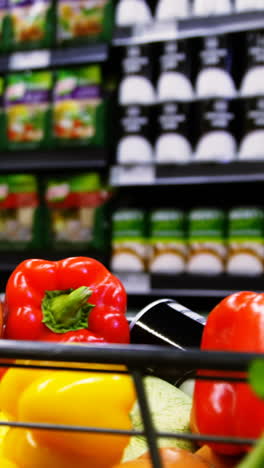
(2, 116)
(20, 216)
(129, 242)
(245, 241)
(82, 21)
(28, 110)
(207, 241)
(30, 24)
(168, 241)
(3, 24)
(78, 107)
(77, 212)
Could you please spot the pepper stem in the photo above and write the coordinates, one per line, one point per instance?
(68, 310)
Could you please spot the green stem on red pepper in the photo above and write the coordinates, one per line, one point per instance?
(65, 311)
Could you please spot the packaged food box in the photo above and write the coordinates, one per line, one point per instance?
(31, 24)
(2, 116)
(245, 241)
(168, 241)
(129, 242)
(3, 24)
(77, 212)
(80, 21)
(28, 110)
(78, 107)
(20, 215)
(207, 241)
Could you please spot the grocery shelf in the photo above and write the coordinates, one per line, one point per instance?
(9, 259)
(53, 159)
(186, 285)
(35, 59)
(194, 173)
(187, 28)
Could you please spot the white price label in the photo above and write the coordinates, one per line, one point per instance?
(156, 31)
(29, 60)
(135, 282)
(132, 175)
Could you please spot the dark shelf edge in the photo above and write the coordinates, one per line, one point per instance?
(191, 27)
(10, 259)
(194, 173)
(52, 159)
(187, 285)
(54, 57)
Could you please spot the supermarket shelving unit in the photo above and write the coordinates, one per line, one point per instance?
(212, 181)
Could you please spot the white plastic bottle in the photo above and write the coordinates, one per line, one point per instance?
(131, 12)
(212, 7)
(167, 9)
(249, 5)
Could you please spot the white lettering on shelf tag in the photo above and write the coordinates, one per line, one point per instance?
(132, 175)
(135, 282)
(28, 60)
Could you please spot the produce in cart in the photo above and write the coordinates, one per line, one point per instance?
(222, 407)
(71, 300)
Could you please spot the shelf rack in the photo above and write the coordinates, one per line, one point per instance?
(189, 285)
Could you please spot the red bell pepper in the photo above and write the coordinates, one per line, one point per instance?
(224, 408)
(48, 301)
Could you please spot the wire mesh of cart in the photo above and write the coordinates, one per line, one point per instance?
(139, 360)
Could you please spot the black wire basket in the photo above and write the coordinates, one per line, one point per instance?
(137, 359)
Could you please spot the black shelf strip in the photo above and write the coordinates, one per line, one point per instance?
(187, 28)
(204, 286)
(53, 159)
(220, 24)
(194, 173)
(49, 58)
(10, 259)
(188, 285)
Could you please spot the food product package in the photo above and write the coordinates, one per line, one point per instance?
(81, 21)
(78, 107)
(30, 24)
(245, 241)
(207, 243)
(77, 212)
(3, 24)
(168, 242)
(20, 215)
(129, 243)
(27, 109)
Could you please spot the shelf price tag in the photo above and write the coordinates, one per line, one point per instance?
(135, 283)
(30, 60)
(132, 175)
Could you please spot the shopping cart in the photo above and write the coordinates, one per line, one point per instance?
(137, 359)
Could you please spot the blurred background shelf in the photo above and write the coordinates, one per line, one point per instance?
(167, 285)
(37, 59)
(188, 28)
(233, 172)
(53, 159)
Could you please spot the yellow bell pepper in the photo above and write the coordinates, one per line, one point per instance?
(22, 449)
(70, 398)
(4, 463)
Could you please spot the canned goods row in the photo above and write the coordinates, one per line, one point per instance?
(201, 241)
